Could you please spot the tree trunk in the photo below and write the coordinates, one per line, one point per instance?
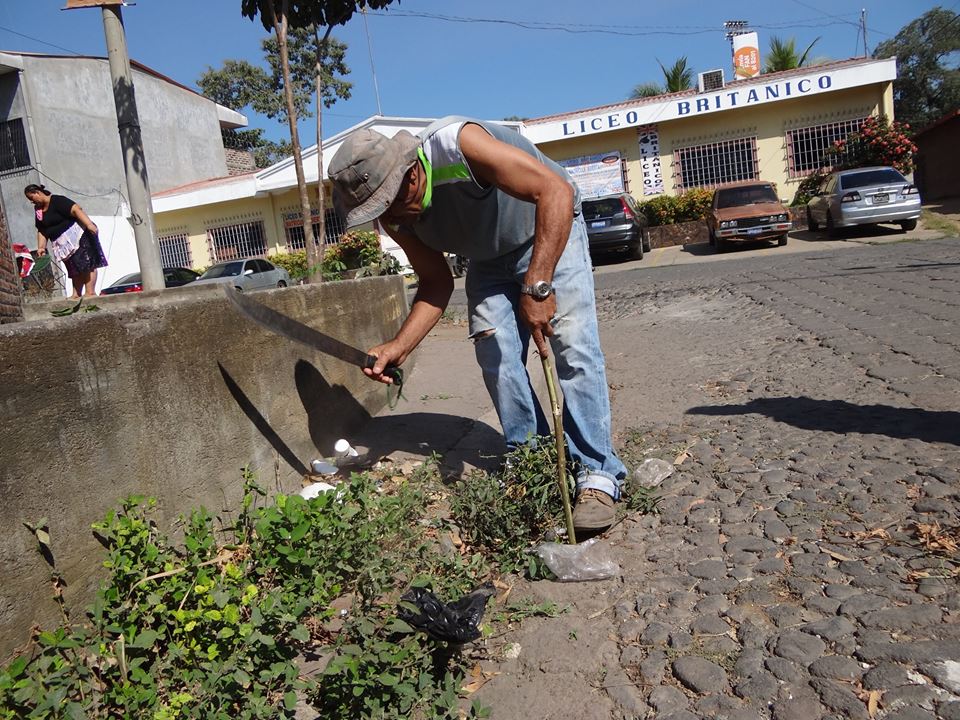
(321, 48)
(280, 27)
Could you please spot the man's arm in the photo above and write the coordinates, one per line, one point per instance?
(524, 177)
(433, 294)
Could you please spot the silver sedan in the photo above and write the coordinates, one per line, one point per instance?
(864, 196)
(247, 274)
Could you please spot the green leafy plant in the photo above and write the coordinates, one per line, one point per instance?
(669, 209)
(211, 627)
(504, 514)
(878, 142)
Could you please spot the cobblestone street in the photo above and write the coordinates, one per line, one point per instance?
(804, 562)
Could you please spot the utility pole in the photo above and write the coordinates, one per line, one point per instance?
(131, 141)
(863, 24)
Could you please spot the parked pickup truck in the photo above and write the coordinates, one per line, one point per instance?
(745, 212)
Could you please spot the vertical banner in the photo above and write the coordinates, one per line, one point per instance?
(596, 175)
(746, 55)
(649, 141)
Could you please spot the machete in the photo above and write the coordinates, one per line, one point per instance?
(294, 330)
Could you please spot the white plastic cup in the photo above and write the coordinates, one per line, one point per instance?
(343, 449)
(322, 467)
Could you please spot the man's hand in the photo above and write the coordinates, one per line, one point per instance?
(537, 314)
(390, 354)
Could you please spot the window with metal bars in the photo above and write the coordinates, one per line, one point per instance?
(807, 147)
(334, 228)
(245, 239)
(716, 163)
(175, 250)
(13, 145)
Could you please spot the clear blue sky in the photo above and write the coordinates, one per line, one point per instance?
(485, 64)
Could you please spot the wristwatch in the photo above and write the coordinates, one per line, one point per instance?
(540, 290)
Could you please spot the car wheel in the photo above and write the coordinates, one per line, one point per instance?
(460, 265)
(812, 224)
(831, 228)
(782, 240)
(720, 244)
(908, 225)
(645, 236)
(711, 238)
(636, 252)
(281, 283)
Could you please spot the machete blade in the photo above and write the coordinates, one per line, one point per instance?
(286, 326)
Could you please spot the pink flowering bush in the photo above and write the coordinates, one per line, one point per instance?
(878, 142)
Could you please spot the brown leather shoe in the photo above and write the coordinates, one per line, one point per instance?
(594, 511)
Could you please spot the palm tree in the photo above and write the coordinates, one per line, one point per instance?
(783, 55)
(677, 78)
(649, 89)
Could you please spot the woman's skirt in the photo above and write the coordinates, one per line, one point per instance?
(88, 257)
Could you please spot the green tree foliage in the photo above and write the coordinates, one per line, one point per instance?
(279, 17)
(677, 78)
(782, 55)
(239, 84)
(928, 78)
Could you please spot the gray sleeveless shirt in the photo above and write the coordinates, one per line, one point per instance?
(463, 216)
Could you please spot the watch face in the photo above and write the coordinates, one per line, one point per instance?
(542, 289)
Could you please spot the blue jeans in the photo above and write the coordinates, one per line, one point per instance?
(501, 342)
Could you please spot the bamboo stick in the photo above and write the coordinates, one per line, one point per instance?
(561, 448)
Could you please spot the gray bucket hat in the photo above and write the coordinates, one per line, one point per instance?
(366, 172)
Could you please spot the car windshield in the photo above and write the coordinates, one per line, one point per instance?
(593, 209)
(230, 269)
(128, 279)
(882, 176)
(734, 197)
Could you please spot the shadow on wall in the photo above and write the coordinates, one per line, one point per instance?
(416, 433)
(840, 416)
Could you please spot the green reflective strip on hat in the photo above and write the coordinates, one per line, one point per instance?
(428, 168)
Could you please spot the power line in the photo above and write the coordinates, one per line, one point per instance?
(42, 42)
(580, 28)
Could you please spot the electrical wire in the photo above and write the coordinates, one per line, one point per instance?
(42, 42)
(579, 29)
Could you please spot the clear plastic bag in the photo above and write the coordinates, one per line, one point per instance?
(590, 560)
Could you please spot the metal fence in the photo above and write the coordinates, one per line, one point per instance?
(175, 250)
(807, 147)
(334, 228)
(716, 163)
(238, 240)
(13, 145)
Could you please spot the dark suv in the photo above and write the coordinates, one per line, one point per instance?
(615, 224)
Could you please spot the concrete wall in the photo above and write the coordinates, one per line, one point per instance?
(169, 395)
(69, 114)
(10, 297)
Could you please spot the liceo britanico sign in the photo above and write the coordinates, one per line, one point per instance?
(735, 96)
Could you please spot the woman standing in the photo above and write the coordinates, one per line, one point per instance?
(60, 219)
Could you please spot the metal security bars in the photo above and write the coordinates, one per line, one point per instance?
(716, 163)
(13, 145)
(244, 239)
(334, 228)
(175, 250)
(806, 147)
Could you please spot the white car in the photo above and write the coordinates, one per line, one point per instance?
(247, 274)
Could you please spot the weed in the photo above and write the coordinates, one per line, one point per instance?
(504, 514)
(211, 627)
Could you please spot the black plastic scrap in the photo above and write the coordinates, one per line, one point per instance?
(457, 622)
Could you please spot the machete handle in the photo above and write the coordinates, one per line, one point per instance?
(395, 373)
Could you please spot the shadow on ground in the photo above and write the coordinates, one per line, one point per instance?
(840, 416)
